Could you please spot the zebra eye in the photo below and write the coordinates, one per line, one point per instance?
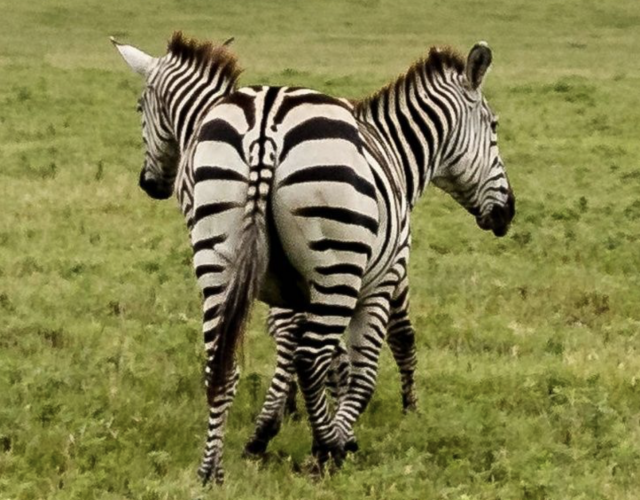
(139, 107)
(494, 126)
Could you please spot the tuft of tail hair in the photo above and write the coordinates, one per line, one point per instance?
(249, 269)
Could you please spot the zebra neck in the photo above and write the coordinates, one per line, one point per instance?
(191, 99)
(412, 128)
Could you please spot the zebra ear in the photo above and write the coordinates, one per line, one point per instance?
(138, 61)
(478, 63)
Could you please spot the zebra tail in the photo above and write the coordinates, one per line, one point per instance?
(249, 269)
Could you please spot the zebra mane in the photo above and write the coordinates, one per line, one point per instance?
(218, 58)
(437, 61)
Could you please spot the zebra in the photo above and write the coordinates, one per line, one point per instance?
(287, 203)
(176, 132)
(409, 118)
(215, 74)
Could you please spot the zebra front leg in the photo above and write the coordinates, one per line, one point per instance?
(278, 321)
(402, 342)
(282, 386)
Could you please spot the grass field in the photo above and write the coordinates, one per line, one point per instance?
(529, 346)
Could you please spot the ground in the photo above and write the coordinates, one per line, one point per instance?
(528, 345)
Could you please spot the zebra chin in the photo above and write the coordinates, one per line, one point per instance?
(156, 190)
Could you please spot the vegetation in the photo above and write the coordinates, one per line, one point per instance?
(529, 345)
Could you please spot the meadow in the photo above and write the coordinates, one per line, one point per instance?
(529, 345)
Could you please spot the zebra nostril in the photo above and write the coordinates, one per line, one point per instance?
(147, 180)
(147, 183)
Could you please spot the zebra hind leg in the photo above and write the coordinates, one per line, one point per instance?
(402, 343)
(279, 320)
(338, 376)
(284, 388)
(291, 406)
(313, 358)
(212, 466)
(366, 333)
(338, 385)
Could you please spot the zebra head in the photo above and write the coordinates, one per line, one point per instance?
(179, 87)
(162, 153)
(472, 171)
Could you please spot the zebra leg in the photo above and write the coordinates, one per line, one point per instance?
(279, 320)
(401, 340)
(366, 333)
(338, 376)
(313, 357)
(212, 466)
(212, 279)
(283, 327)
(291, 407)
(281, 396)
(338, 386)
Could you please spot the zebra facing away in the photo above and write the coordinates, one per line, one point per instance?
(290, 199)
(222, 178)
(425, 123)
(211, 72)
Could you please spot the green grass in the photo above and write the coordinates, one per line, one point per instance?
(529, 366)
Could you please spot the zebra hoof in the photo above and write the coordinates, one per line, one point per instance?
(255, 448)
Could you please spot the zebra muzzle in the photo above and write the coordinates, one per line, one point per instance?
(155, 189)
(499, 218)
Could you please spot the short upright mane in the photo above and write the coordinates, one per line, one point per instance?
(437, 61)
(205, 54)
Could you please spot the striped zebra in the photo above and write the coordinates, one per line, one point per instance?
(412, 119)
(180, 130)
(213, 74)
(292, 201)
